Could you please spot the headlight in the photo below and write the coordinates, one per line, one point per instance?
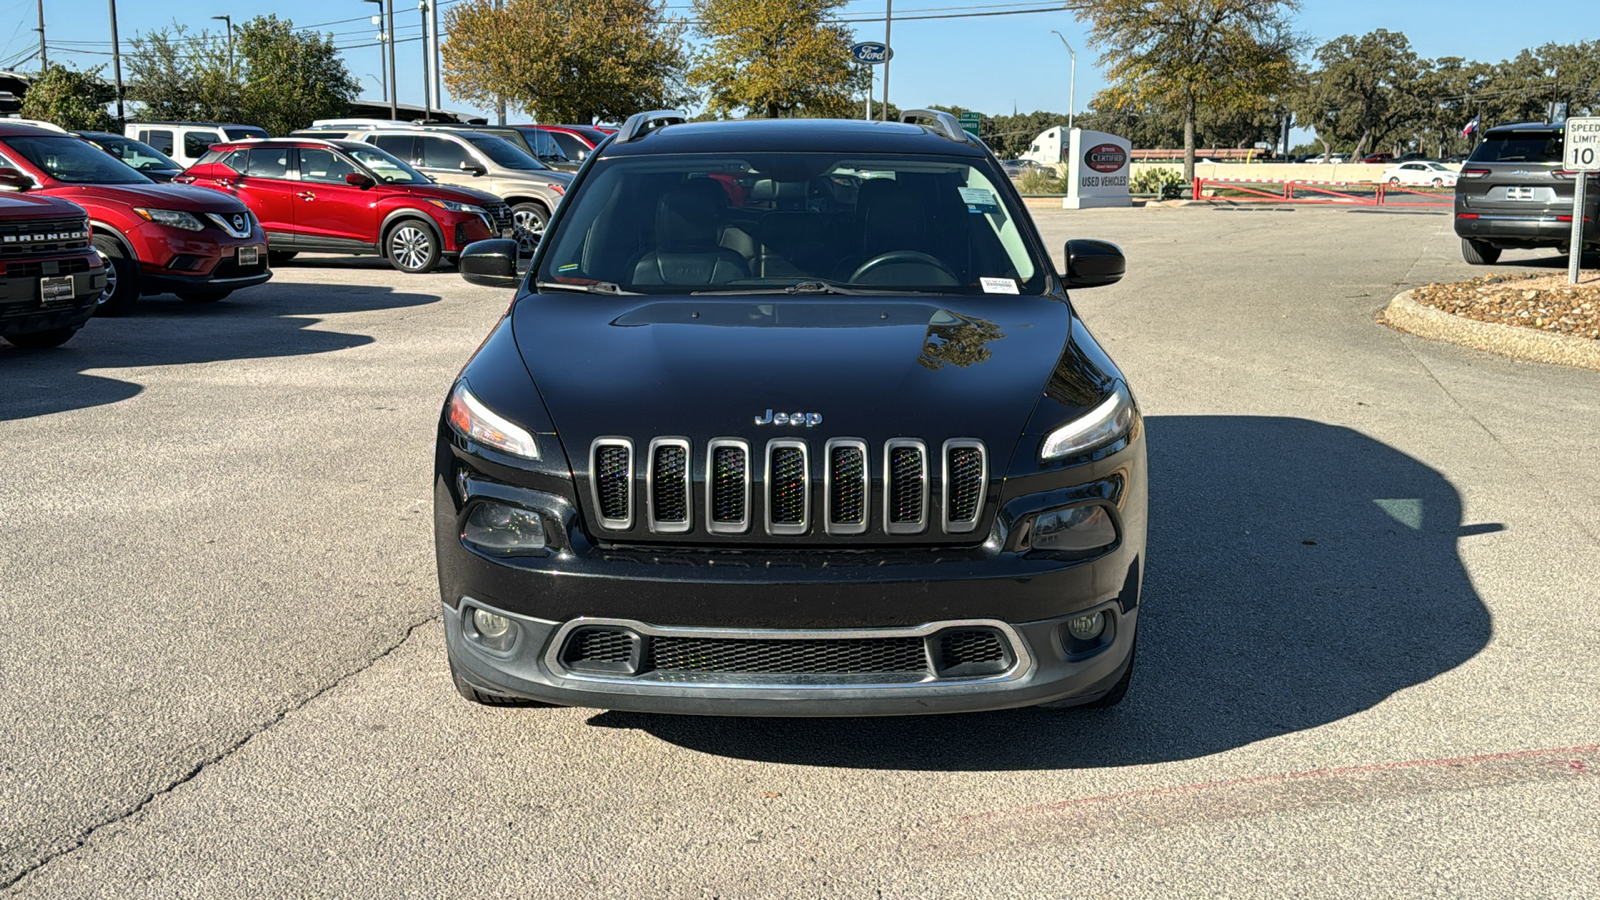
(470, 418)
(1105, 424)
(173, 218)
(458, 207)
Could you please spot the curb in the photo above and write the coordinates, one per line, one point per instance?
(1406, 314)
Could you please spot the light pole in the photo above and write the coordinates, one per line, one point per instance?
(116, 62)
(1072, 95)
(229, 21)
(386, 37)
(427, 103)
(888, 22)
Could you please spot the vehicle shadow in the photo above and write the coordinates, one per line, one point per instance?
(1297, 573)
(268, 321)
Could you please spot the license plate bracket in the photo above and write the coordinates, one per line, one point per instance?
(249, 256)
(55, 289)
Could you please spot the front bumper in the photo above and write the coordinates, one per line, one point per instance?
(21, 308)
(172, 260)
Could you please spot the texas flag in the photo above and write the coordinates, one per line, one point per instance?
(1470, 128)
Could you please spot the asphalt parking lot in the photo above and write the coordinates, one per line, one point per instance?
(1366, 667)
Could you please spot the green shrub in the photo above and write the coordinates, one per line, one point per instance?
(1040, 181)
(1155, 181)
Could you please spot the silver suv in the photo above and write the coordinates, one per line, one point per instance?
(1513, 193)
(473, 159)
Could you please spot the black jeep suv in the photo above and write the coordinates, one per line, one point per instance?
(791, 418)
(1513, 193)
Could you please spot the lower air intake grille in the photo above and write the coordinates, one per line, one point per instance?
(598, 645)
(957, 647)
(812, 657)
(613, 482)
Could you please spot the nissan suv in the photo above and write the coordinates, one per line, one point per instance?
(50, 276)
(1513, 194)
(349, 197)
(483, 162)
(155, 238)
(791, 417)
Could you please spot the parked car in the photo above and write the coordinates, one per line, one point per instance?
(350, 197)
(186, 142)
(1017, 167)
(157, 238)
(576, 141)
(53, 279)
(1414, 156)
(875, 464)
(1430, 173)
(147, 160)
(534, 141)
(481, 161)
(1377, 158)
(1325, 159)
(1513, 193)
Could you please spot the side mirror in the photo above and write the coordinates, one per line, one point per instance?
(14, 179)
(358, 179)
(472, 168)
(491, 263)
(1094, 264)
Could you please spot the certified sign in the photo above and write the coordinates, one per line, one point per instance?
(1582, 153)
(1105, 158)
(873, 53)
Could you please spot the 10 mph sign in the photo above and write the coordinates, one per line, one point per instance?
(1583, 145)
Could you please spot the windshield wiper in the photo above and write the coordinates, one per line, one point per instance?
(599, 287)
(804, 287)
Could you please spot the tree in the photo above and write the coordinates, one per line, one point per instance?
(67, 97)
(773, 58)
(181, 76)
(1366, 91)
(1192, 55)
(566, 60)
(290, 77)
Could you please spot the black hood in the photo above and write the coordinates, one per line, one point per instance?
(873, 368)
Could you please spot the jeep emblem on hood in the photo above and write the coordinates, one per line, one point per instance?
(809, 420)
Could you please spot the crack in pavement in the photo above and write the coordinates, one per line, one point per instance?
(84, 836)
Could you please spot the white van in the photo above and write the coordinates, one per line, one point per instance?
(186, 142)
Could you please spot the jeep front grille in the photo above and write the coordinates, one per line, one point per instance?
(918, 494)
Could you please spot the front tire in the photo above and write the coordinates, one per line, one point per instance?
(528, 221)
(42, 340)
(203, 296)
(122, 278)
(412, 246)
(1478, 253)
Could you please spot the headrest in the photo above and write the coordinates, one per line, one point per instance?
(892, 217)
(688, 217)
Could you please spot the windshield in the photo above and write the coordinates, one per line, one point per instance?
(137, 154)
(700, 222)
(504, 153)
(74, 161)
(386, 168)
(1520, 146)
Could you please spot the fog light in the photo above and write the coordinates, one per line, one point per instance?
(504, 530)
(1087, 628)
(492, 626)
(1080, 529)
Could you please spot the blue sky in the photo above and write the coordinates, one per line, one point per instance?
(986, 63)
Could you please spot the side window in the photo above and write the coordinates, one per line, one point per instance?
(324, 166)
(397, 145)
(267, 162)
(196, 143)
(569, 144)
(161, 139)
(439, 153)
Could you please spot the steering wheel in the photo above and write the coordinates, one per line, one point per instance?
(903, 257)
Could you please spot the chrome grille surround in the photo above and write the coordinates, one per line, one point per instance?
(779, 528)
(947, 485)
(714, 524)
(893, 492)
(597, 489)
(662, 497)
(831, 484)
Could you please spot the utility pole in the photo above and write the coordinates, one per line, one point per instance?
(229, 21)
(44, 60)
(116, 62)
(383, 71)
(394, 81)
(888, 22)
(427, 102)
(1072, 88)
(438, 64)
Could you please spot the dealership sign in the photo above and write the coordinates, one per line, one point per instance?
(1097, 170)
(873, 53)
(1105, 158)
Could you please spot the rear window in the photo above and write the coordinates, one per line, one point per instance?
(240, 132)
(1520, 146)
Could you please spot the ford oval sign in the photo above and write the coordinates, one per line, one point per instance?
(872, 53)
(1105, 158)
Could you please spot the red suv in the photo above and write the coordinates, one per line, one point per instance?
(50, 278)
(157, 238)
(349, 197)
(576, 141)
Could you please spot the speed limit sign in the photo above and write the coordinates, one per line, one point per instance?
(1582, 152)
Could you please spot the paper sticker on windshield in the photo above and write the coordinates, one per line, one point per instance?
(979, 200)
(998, 285)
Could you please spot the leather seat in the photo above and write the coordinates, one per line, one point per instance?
(688, 235)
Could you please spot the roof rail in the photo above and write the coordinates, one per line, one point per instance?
(36, 123)
(640, 124)
(943, 123)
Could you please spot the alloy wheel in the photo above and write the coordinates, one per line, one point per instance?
(111, 277)
(528, 229)
(410, 246)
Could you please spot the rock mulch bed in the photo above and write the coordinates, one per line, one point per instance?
(1545, 302)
